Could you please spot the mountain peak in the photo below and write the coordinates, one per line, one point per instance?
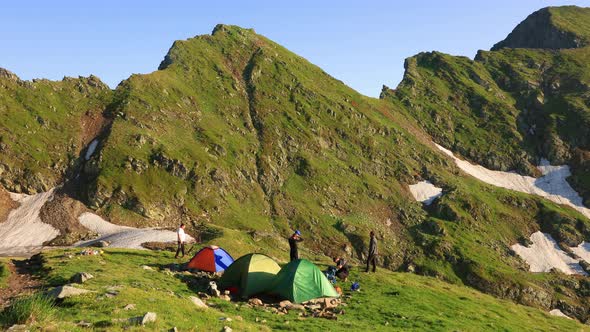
(186, 50)
(230, 28)
(550, 28)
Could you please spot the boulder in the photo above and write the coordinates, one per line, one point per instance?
(149, 317)
(62, 292)
(81, 277)
(148, 268)
(198, 302)
(255, 301)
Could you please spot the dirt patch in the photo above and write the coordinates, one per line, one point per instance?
(24, 279)
(92, 123)
(6, 204)
(62, 213)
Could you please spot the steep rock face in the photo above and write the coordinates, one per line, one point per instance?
(549, 28)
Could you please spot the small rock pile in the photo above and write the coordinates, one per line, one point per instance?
(322, 307)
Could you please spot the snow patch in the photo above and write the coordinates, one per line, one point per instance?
(583, 251)
(23, 230)
(544, 254)
(552, 185)
(123, 236)
(558, 313)
(425, 192)
(91, 149)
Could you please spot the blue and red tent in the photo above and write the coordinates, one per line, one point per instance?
(211, 259)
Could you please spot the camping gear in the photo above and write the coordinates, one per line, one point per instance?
(300, 281)
(210, 259)
(250, 274)
(331, 274)
(355, 286)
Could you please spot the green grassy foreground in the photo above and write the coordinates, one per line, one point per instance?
(387, 301)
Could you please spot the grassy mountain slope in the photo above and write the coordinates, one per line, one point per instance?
(387, 301)
(526, 104)
(236, 133)
(246, 141)
(44, 126)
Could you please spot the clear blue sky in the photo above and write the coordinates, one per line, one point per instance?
(362, 43)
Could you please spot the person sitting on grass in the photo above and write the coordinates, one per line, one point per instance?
(341, 268)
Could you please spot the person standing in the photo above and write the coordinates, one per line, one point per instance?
(293, 240)
(372, 258)
(181, 236)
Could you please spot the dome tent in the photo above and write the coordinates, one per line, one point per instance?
(301, 281)
(250, 274)
(210, 259)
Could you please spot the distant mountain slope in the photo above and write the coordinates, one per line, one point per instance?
(551, 28)
(506, 109)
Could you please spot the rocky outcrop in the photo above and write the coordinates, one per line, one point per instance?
(538, 30)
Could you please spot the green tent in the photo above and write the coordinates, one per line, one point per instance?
(300, 281)
(250, 274)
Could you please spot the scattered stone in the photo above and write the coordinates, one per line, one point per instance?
(81, 277)
(145, 267)
(239, 318)
(18, 327)
(203, 295)
(295, 306)
(83, 323)
(100, 244)
(130, 306)
(62, 292)
(255, 301)
(174, 329)
(111, 293)
(225, 297)
(198, 302)
(313, 306)
(226, 329)
(227, 319)
(285, 303)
